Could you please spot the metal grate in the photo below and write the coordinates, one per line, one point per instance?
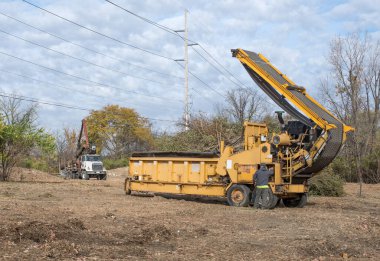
(97, 167)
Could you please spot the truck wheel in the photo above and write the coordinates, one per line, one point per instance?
(103, 177)
(85, 176)
(238, 195)
(299, 202)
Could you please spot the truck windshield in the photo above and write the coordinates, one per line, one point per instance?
(92, 158)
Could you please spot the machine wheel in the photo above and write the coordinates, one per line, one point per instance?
(103, 177)
(270, 201)
(128, 190)
(299, 202)
(238, 195)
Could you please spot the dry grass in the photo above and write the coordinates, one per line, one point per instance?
(95, 220)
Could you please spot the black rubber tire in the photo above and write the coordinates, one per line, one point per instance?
(85, 176)
(127, 187)
(275, 202)
(103, 177)
(271, 201)
(238, 195)
(299, 202)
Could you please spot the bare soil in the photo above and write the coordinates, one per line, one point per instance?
(47, 217)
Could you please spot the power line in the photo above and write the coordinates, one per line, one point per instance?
(81, 78)
(31, 99)
(60, 86)
(53, 84)
(205, 59)
(167, 29)
(214, 59)
(79, 59)
(204, 83)
(160, 26)
(202, 25)
(117, 40)
(89, 49)
(99, 33)
(216, 68)
(209, 54)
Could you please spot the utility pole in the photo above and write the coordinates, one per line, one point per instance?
(187, 112)
(186, 61)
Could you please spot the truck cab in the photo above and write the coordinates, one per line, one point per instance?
(91, 166)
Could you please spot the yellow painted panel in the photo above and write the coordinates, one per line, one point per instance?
(297, 188)
(163, 171)
(134, 168)
(210, 170)
(194, 171)
(178, 171)
(245, 178)
(188, 189)
(147, 168)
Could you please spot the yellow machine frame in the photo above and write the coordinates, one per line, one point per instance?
(177, 174)
(215, 176)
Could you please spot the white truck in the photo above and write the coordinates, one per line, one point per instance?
(91, 166)
(87, 164)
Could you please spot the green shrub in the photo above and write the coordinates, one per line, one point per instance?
(37, 164)
(326, 184)
(371, 167)
(344, 168)
(27, 163)
(115, 163)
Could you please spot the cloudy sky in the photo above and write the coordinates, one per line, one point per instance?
(87, 70)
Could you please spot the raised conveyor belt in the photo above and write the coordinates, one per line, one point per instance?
(335, 135)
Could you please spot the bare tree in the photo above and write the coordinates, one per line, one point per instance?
(245, 104)
(214, 129)
(241, 104)
(13, 111)
(353, 93)
(65, 146)
(372, 92)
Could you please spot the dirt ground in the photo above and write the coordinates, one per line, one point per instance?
(46, 217)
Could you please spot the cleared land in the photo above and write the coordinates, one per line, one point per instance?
(47, 217)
